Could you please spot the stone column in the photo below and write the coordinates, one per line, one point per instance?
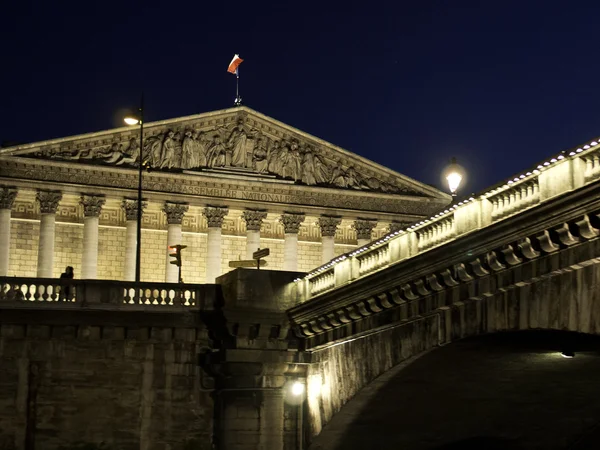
(92, 205)
(291, 224)
(214, 216)
(253, 221)
(328, 227)
(364, 229)
(48, 201)
(175, 213)
(130, 208)
(7, 198)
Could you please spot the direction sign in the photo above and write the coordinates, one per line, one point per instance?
(247, 263)
(260, 253)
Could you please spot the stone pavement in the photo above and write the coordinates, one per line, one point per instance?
(503, 391)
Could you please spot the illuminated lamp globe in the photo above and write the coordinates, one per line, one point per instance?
(454, 174)
(297, 388)
(131, 120)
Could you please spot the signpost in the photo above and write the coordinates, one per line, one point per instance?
(246, 263)
(256, 260)
(258, 254)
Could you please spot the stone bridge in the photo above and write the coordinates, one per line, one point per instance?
(218, 366)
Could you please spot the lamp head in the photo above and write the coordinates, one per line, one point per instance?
(454, 175)
(130, 120)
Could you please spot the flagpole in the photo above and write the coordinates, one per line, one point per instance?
(238, 100)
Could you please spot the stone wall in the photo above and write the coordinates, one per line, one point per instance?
(24, 236)
(340, 371)
(111, 252)
(127, 387)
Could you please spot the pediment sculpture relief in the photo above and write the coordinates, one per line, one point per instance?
(233, 147)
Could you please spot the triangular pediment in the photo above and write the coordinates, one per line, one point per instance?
(233, 142)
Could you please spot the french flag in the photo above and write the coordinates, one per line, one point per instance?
(233, 65)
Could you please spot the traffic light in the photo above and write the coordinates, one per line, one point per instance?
(177, 253)
(176, 249)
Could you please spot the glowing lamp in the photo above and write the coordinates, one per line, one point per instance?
(297, 388)
(454, 175)
(131, 120)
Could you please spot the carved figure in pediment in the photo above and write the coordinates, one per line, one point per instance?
(260, 156)
(216, 152)
(284, 153)
(169, 151)
(314, 169)
(189, 150)
(346, 178)
(118, 157)
(338, 176)
(71, 155)
(352, 178)
(293, 163)
(153, 149)
(374, 184)
(322, 170)
(237, 145)
(273, 164)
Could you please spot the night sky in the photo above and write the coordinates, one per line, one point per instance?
(498, 84)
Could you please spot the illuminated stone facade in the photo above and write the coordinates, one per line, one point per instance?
(221, 183)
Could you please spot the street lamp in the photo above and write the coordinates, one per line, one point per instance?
(135, 119)
(454, 174)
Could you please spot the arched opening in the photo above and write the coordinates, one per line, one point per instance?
(510, 390)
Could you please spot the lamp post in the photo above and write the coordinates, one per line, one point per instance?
(135, 119)
(454, 175)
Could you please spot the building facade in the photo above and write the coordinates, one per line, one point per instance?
(223, 183)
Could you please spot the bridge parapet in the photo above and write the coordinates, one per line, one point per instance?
(50, 292)
(566, 172)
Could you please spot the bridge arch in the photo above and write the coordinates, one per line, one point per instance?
(505, 390)
(559, 293)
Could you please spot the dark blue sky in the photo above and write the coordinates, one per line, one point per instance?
(498, 84)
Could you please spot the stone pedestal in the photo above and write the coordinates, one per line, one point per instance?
(364, 229)
(253, 221)
(48, 201)
(256, 365)
(291, 225)
(175, 213)
(7, 198)
(92, 205)
(130, 208)
(328, 227)
(214, 216)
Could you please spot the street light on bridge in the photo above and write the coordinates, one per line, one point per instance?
(454, 175)
(138, 119)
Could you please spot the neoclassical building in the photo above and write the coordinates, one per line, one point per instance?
(224, 183)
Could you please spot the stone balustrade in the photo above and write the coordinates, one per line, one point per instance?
(559, 175)
(20, 291)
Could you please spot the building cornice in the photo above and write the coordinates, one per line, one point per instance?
(246, 193)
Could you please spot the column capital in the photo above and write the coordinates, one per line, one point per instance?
(92, 205)
(364, 228)
(7, 197)
(253, 219)
(291, 222)
(215, 215)
(48, 201)
(397, 226)
(329, 225)
(175, 212)
(130, 206)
